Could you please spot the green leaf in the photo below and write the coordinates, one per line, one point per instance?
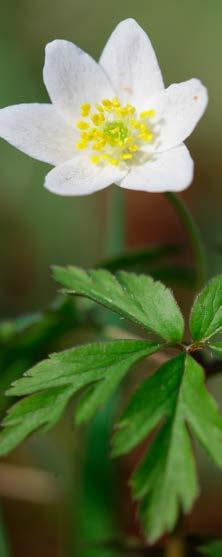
(216, 347)
(206, 313)
(137, 297)
(32, 413)
(166, 479)
(146, 258)
(28, 339)
(156, 261)
(212, 549)
(54, 381)
(151, 401)
(36, 329)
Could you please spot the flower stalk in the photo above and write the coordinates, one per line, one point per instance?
(115, 231)
(193, 233)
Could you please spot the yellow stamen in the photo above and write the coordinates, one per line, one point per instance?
(115, 102)
(134, 148)
(95, 159)
(147, 113)
(98, 146)
(107, 104)
(128, 139)
(100, 108)
(85, 109)
(81, 145)
(114, 162)
(135, 124)
(126, 156)
(82, 125)
(116, 132)
(146, 136)
(97, 119)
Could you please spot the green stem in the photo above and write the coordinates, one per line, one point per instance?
(4, 543)
(98, 497)
(193, 234)
(115, 235)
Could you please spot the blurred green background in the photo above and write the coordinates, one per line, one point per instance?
(38, 229)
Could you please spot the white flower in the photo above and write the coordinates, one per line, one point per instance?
(112, 122)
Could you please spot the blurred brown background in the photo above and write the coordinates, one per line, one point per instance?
(187, 38)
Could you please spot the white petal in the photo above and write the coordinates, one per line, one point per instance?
(131, 64)
(39, 131)
(181, 107)
(169, 171)
(72, 77)
(81, 177)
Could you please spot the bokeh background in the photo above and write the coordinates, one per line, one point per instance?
(38, 229)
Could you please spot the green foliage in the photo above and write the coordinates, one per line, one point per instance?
(158, 262)
(174, 400)
(29, 338)
(136, 297)
(212, 549)
(216, 347)
(206, 314)
(143, 258)
(54, 381)
(166, 479)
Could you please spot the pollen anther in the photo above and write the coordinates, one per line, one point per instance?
(114, 131)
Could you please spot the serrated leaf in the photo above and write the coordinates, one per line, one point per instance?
(212, 549)
(32, 413)
(151, 401)
(202, 411)
(166, 479)
(170, 480)
(54, 381)
(97, 395)
(28, 339)
(206, 313)
(139, 298)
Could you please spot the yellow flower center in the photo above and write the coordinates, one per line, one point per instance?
(114, 133)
